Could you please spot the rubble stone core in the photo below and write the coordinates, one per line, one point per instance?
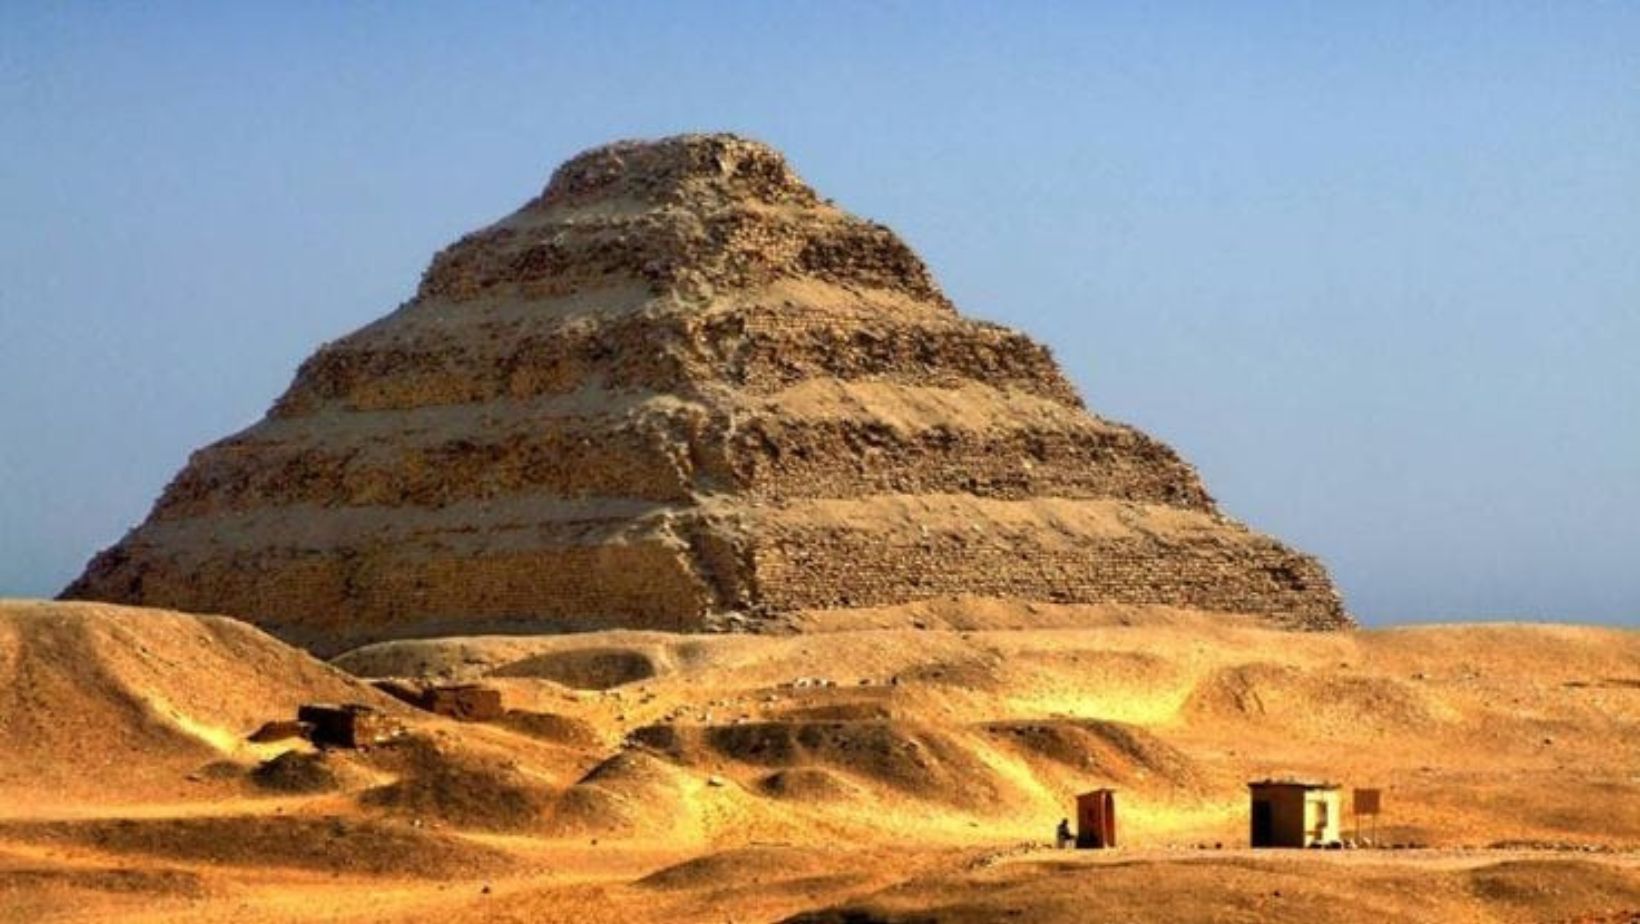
(679, 384)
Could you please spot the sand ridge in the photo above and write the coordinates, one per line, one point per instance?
(884, 770)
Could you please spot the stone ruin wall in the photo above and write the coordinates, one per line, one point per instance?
(754, 351)
(763, 349)
(578, 457)
(779, 460)
(388, 592)
(665, 458)
(837, 568)
(739, 249)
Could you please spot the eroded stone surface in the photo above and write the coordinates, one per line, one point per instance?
(679, 384)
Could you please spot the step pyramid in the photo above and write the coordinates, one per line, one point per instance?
(679, 390)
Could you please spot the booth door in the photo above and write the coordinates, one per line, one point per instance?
(1263, 823)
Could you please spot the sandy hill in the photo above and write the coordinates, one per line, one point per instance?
(101, 702)
(894, 774)
(1480, 734)
(680, 390)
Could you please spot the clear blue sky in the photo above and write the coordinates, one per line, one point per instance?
(1373, 267)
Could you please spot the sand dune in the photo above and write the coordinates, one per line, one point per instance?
(104, 703)
(863, 774)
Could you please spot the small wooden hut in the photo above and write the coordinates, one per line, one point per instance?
(1294, 813)
(1096, 819)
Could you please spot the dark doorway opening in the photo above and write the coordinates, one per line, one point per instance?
(1263, 823)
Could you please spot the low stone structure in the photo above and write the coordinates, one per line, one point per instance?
(352, 725)
(679, 385)
(468, 702)
(281, 730)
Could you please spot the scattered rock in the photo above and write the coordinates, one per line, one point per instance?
(295, 772)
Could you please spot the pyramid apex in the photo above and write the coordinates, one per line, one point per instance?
(693, 216)
(678, 168)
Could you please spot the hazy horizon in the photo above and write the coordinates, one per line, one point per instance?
(1375, 272)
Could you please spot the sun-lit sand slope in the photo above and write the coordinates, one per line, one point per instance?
(103, 703)
(885, 772)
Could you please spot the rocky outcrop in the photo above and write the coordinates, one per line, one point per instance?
(675, 385)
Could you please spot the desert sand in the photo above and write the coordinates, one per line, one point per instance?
(877, 772)
(805, 597)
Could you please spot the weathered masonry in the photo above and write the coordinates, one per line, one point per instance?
(676, 385)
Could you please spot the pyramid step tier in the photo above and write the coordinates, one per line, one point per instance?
(755, 352)
(610, 563)
(735, 247)
(821, 439)
(876, 551)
